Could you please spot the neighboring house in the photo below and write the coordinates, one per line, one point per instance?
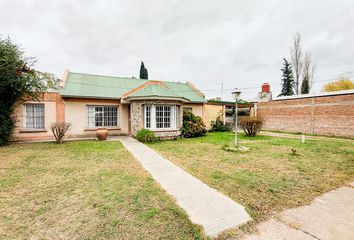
(226, 110)
(122, 105)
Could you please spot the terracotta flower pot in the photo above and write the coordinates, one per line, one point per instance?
(102, 133)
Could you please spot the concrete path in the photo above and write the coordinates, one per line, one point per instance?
(328, 217)
(204, 205)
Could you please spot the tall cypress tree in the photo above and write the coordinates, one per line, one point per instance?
(287, 80)
(143, 71)
(305, 86)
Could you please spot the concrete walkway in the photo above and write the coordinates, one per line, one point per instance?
(204, 205)
(328, 217)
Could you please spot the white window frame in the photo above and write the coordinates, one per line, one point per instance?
(36, 127)
(174, 116)
(88, 125)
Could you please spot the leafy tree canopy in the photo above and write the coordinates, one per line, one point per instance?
(342, 84)
(18, 80)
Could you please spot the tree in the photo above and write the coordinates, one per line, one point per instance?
(296, 60)
(18, 80)
(287, 80)
(308, 73)
(305, 86)
(343, 83)
(143, 71)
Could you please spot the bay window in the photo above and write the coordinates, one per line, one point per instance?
(102, 116)
(161, 116)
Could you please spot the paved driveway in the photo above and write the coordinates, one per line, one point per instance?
(328, 217)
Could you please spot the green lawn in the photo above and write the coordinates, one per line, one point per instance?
(268, 178)
(84, 190)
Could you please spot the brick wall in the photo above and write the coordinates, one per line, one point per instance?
(323, 115)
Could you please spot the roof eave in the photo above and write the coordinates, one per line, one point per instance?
(132, 98)
(88, 97)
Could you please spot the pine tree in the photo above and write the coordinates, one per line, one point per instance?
(305, 86)
(287, 80)
(143, 71)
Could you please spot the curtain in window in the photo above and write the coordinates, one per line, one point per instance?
(34, 116)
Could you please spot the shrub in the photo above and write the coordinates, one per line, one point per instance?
(192, 126)
(59, 129)
(251, 125)
(17, 81)
(145, 135)
(219, 126)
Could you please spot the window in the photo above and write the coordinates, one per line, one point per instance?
(147, 116)
(160, 116)
(163, 116)
(102, 116)
(34, 116)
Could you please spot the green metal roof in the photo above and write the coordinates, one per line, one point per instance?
(155, 91)
(229, 102)
(96, 86)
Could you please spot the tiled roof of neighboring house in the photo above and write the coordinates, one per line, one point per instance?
(96, 86)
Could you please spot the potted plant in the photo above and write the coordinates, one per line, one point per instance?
(101, 133)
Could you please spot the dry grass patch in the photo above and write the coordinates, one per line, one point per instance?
(269, 178)
(84, 190)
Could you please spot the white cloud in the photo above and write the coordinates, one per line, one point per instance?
(237, 43)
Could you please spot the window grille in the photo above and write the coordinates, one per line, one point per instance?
(160, 116)
(102, 116)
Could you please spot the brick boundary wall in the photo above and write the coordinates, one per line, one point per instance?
(331, 115)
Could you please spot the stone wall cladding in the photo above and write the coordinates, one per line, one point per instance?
(137, 117)
(323, 115)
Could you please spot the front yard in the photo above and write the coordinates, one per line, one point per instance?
(97, 190)
(83, 190)
(270, 177)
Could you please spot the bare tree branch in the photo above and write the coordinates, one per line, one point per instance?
(296, 60)
(308, 69)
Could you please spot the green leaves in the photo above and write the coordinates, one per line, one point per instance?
(18, 80)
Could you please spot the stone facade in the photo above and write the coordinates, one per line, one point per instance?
(323, 115)
(137, 117)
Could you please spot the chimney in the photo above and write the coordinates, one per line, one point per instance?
(265, 87)
(265, 95)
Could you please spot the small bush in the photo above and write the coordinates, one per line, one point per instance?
(145, 135)
(251, 125)
(59, 129)
(219, 126)
(192, 126)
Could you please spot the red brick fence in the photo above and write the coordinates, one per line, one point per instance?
(323, 114)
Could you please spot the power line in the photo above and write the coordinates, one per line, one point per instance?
(203, 90)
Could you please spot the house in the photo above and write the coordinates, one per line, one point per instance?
(122, 105)
(226, 110)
